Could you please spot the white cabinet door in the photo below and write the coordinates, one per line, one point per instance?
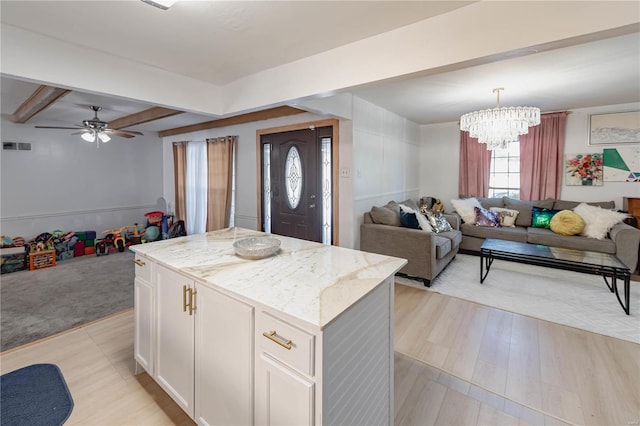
(175, 338)
(144, 324)
(283, 397)
(224, 353)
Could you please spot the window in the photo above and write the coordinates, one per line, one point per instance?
(504, 178)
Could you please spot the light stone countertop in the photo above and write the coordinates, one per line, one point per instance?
(310, 281)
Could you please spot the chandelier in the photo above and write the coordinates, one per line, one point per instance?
(498, 126)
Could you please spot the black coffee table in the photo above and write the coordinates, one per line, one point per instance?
(588, 262)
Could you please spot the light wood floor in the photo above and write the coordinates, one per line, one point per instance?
(457, 363)
(558, 371)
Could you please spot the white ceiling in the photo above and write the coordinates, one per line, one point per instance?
(224, 40)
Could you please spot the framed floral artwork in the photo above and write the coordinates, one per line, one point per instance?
(583, 169)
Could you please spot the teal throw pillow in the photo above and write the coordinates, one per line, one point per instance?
(541, 218)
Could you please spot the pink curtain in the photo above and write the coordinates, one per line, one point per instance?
(475, 165)
(541, 158)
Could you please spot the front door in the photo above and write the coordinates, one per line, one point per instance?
(295, 179)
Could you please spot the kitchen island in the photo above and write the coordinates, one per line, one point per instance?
(304, 336)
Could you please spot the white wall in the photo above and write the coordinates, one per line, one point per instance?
(66, 183)
(440, 152)
(379, 161)
(246, 212)
(386, 159)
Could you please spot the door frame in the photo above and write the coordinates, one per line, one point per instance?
(335, 175)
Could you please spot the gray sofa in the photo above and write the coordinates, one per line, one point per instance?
(427, 252)
(623, 240)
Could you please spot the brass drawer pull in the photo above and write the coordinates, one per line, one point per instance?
(192, 307)
(138, 262)
(184, 298)
(273, 336)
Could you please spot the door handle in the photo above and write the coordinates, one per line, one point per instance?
(192, 307)
(184, 298)
(312, 206)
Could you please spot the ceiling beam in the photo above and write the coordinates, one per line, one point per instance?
(151, 114)
(266, 114)
(39, 100)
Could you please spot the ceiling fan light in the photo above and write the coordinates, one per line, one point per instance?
(104, 137)
(88, 136)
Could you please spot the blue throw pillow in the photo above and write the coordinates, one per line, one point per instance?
(408, 220)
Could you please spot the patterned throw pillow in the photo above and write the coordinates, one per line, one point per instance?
(486, 217)
(438, 222)
(507, 216)
(541, 218)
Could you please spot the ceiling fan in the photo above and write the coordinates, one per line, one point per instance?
(96, 130)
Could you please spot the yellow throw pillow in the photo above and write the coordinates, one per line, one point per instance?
(567, 222)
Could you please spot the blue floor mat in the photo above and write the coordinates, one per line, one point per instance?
(36, 395)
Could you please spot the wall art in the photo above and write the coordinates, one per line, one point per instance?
(621, 164)
(615, 128)
(583, 169)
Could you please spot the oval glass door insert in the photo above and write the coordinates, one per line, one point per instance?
(293, 175)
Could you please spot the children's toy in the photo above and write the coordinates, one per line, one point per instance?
(116, 236)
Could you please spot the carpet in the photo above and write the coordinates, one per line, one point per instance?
(40, 303)
(570, 298)
(36, 395)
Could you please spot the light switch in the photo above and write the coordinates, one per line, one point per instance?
(345, 172)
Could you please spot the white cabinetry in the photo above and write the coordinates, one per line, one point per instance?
(175, 337)
(285, 386)
(229, 360)
(144, 309)
(224, 353)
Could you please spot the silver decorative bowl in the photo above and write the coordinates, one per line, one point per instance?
(256, 247)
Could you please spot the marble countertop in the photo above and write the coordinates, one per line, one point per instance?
(310, 281)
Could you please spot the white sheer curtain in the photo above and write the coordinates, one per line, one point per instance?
(196, 187)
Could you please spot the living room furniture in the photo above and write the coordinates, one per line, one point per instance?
(279, 340)
(428, 253)
(622, 240)
(632, 205)
(588, 262)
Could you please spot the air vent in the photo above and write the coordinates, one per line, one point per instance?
(16, 146)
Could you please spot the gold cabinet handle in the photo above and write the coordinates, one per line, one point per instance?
(138, 262)
(273, 336)
(184, 298)
(192, 306)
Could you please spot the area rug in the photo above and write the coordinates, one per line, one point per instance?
(570, 298)
(40, 303)
(36, 395)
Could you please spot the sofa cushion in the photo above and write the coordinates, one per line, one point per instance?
(524, 208)
(486, 217)
(487, 203)
(576, 242)
(570, 205)
(507, 217)
(453, 235)
(598, 221)
(388, 214)
(438, 222)
(443, 246)
(409, 214)
(465, 208)
(541, 218)
(511, 234)
(567, 222)
(408, 220)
